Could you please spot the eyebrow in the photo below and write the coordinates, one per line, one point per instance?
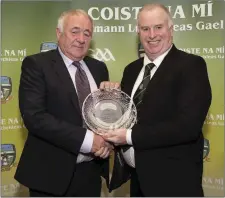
(152, 26)
(78, 28)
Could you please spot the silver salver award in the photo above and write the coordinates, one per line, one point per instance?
(108, 109)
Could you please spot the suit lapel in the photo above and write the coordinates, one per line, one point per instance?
(132, 76)
(162, 72)
(65, 79)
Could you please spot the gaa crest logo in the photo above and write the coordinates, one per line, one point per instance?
(102, 54)
(6, 89)
(8, 156)
(206, 149)
(141, 51)
(46, 46)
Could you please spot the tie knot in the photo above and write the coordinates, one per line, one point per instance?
(76, 63)
(150, 66)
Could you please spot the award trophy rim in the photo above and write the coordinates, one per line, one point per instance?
(131, 105)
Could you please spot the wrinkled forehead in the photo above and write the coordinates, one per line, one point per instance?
(79, 21)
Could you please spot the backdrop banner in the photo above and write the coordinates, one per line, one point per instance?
(28, 27)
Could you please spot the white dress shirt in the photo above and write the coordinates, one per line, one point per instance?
(88, 139)
(129, 154)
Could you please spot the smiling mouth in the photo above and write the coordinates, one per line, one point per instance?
(153, 42)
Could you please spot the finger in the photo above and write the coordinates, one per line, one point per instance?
(99, 152)
(102, 85)
(105, 155)
(105, 135)
(104, 152)
(109, 139)
(101, 131)
(109, 146)
(109, 133)
(117, 85)
(106, 85)
(112, 139)
(112, 135)
(112, 85)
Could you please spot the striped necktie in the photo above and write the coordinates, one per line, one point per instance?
(138, 96)
(140, 92)
(82, 83)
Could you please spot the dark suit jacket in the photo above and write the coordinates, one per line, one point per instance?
(168, 139)
(49, 106)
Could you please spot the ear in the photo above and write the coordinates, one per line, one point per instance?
(138, 27)
(171, 30)
(58, 33)
(138, 31)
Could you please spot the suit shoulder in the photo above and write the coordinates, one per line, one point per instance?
(192, 57)
(93, 61)
(42, 55)
(42, 60)
(134, 63)
(88, 58)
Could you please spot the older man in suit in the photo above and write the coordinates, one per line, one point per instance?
(172, 94)
(61, 157)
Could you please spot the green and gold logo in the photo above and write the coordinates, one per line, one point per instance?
(6, 89)
(8, 156)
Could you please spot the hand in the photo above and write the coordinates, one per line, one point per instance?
(104, 152)
(117, 136)
(109, 85)
(98, 143)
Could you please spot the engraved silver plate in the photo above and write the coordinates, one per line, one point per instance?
(109, 109)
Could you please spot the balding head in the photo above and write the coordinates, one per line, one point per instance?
(154, 6)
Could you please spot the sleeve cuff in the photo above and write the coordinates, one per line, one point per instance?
(128, 137)
(87, 143)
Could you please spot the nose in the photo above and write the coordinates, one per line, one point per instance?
(80, 38)
(151, 33)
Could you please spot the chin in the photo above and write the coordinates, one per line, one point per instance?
(79, 55)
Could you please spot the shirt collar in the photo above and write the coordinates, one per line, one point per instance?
(68, 62)
(158, 60)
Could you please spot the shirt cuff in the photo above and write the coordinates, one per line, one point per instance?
(87, 143)
(128, 137)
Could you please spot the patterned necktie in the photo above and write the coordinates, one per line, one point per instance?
(82, 83)
(142, 87)
(140, 92)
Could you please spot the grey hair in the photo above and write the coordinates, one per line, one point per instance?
(152, 6)
(65, 14)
